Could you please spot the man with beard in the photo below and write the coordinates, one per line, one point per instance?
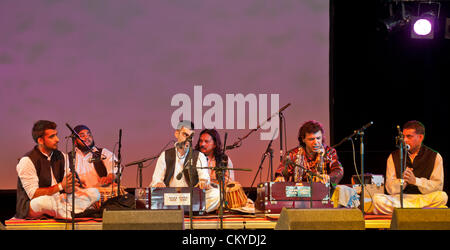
(170, 170)
(97, 168)
(44, 179)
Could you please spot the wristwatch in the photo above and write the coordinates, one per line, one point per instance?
(60, 187)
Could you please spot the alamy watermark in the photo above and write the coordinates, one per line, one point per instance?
(218, 118)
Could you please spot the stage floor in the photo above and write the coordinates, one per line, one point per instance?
(240, 222)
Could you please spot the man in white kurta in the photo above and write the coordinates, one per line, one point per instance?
(166, 176)
(423, 178)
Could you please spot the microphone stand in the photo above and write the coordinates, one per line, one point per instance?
(119, 160)
(238, 143)
(191, 186)
(359, 132)
(270, 152)
(401, 144)
(220, 173)
(72, 169)
(282, 121)
(74, 136)
(220, 168)
(140, 164)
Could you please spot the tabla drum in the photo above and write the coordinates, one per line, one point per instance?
(107, 193)
(235, 196)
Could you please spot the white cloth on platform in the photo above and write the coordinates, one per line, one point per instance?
(59, 206)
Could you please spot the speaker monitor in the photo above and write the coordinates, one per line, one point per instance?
(143, 220)
(320, 219)
(420, 219)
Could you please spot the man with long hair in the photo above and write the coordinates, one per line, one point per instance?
(210, 144)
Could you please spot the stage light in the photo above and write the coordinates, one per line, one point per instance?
(423, 27)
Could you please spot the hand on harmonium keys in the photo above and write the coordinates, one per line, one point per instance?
(203, 184)
(280, 179)
(159, 185)
(324, 178)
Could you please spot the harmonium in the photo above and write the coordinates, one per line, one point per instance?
(171, 198)
(273, 196)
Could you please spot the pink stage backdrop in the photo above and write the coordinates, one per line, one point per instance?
(117, 64)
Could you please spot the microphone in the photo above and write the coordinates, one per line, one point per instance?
(366, 126)
(96, 158)
(399, 130)
(408, 147)
(179, 175)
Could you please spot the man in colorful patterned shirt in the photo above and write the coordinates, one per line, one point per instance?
(311, 158)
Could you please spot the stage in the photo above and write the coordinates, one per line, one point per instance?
(238, 222)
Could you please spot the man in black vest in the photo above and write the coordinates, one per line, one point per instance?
(44, 180)
(423, 177)
(94, 169)
(170, 170)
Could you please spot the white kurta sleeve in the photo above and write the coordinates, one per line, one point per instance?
(28, 176)
(202, 171)
(160, 170)
(392, 182)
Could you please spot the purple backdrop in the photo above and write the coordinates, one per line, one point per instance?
(116, 65)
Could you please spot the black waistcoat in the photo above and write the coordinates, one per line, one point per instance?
(170, 158)
(42, 166)
(422, 166)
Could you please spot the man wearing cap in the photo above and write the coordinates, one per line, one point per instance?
(95, 166)
(170, 170)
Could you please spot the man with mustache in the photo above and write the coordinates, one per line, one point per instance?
(44, 180)
(210, 144)
(423, 177)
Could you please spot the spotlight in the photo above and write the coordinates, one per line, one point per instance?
(423, 26)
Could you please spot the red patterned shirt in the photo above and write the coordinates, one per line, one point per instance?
(298, 161)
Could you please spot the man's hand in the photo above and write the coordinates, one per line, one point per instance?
(105, 181)
(159, 185)
(409, 176)
(67, 183)
(203, 184)
(280, 179)
(325, 178)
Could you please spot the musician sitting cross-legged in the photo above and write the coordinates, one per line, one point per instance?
(210, 144)
(44, 185)
(171, 162)
(423, 176)
(95, 166)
